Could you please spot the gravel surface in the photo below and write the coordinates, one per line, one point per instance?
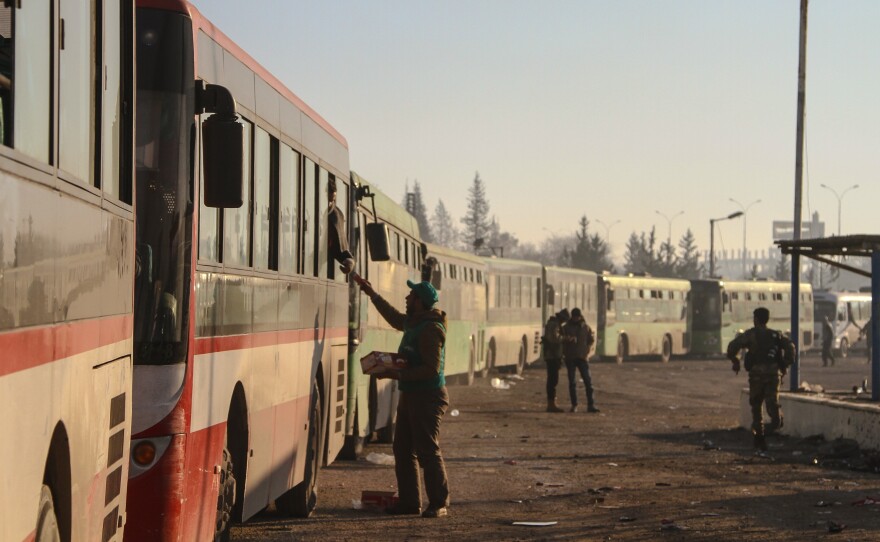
(664, 460)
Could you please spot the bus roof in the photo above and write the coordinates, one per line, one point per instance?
(457, 254)
(200, 22)
(513, 266)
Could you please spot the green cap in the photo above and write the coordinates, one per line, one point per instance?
(426, 292)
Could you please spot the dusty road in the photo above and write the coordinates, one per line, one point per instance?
(664, 460)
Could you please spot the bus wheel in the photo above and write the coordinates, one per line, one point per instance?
(47, 522)
(300, 501)
(621, 349)
(472, 365)
(666, 353)
(490, 361)
(521, 359)
(225, 496)
(844, 347)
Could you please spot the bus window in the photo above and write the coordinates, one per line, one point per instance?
(322, 223)
(342, 205)
(23, 117)
(405, 252)
(209, 222)
(236, 222)
(288, 203)
(308, 217)
(112, 177)
(264, 207)
(76, 93)
(842, 313)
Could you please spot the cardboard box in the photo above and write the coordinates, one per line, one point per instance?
(382, 362)
(378, 500)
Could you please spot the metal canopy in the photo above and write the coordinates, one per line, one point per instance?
(845, 245)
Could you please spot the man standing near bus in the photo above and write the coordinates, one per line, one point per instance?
(423, 399)
(578, 339)
(552, 346)
(769, 353)
(337, 239)
(827, 341)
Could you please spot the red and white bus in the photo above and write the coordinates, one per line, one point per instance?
(241, 323)
(67, 266)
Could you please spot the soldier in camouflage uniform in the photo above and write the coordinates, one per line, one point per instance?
(768, 356)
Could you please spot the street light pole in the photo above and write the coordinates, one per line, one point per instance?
(669, 224)
(712, 222)
(608, 229)
(745, 210)
(839, 200)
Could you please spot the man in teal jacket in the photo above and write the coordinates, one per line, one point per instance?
(423, 399)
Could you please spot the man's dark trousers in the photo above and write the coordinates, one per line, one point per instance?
(553, 366)
(582, 366)
(417, 442)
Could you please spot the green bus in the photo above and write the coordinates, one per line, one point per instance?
(460, 279)
(514, 314)
(372, 402)
(641, 315)
(566, 288)
(719, 310)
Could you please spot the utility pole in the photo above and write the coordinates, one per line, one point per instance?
(798, 196)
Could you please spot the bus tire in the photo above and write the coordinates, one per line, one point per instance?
(472, 365)
(490, 360)
(47, 521)
(844, 348)
(521, 359)
(666, 349)
(300, 501)
(225, 495)
(622, 349)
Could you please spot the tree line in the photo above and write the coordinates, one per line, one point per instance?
(480, 232)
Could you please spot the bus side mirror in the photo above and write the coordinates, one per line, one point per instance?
(377, 242)
(222, 162)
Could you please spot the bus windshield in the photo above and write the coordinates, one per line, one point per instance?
(165, 109)
(823, 309)
(706, 302)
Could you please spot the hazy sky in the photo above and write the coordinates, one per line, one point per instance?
(615, 109)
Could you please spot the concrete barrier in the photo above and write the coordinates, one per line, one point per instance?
(806, 415)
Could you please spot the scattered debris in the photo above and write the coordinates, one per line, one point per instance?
(510, 462)
(454, 412)
(535, 523)
(612, 464)
(380, 459)
(516, 501)
(834, 527)
(867, 501)
(825, 504)
(709, 445)
(670, 525)
(514, 377)
(625, 519)
(499, 384)
(811, 388)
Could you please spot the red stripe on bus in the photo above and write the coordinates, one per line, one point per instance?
(209, 345)
(32, 347)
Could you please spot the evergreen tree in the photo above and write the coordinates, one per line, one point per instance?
(590, 252)
(476, 221)
(640, 254)
(414, 203)
(783, 268)
(688, 265)
(442, 228)
(500, 243)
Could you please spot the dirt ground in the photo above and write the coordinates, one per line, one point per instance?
(664, 460)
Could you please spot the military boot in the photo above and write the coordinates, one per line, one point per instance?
(760, 443)
(551, 406)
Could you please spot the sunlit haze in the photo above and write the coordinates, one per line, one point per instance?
(613, 109)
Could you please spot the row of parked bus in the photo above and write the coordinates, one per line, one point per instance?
(496, 308)
(178, 351)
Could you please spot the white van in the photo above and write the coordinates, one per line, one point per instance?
(848, 313)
